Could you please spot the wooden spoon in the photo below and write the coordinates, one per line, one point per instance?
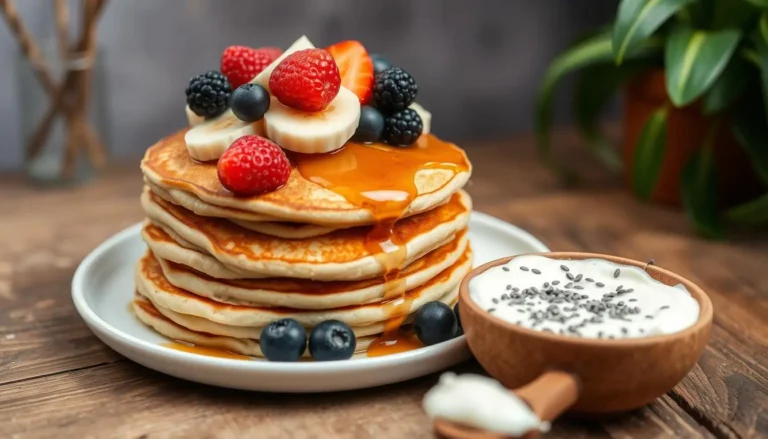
(549, 396)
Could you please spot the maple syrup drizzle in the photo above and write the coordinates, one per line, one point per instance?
(393, 342)
(382, 179)
(201, 350)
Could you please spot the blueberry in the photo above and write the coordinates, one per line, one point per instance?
(435, 323)
(283, 340)
(380, 63)
(332, 340)
(459, 328)
(370, 127)
(249, 102)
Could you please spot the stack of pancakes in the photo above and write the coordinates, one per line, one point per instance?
(219, 267)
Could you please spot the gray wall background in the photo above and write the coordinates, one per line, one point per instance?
(478, 62)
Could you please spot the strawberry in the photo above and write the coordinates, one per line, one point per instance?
(253, 165)
(356, 68)
(240, 64)
(306, 80)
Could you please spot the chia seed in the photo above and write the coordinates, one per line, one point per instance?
(578, 278)
(616, 273)
(589, 279)
(570, 276)
(599, 285)
(524, 268)
(505, 268)
(556, 282)
(564, 268)
(535, 271)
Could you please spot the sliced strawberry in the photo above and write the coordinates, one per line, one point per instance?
(355, 67)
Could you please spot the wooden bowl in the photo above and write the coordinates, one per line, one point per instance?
(614, 375)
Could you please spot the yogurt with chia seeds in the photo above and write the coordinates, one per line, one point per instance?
(591, 298)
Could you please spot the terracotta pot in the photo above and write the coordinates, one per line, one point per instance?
(686, 129)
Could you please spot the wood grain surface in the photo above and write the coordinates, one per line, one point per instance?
(58, 380)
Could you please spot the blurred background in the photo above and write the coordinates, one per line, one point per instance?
(478, 63)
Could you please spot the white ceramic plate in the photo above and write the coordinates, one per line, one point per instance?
(103, 288)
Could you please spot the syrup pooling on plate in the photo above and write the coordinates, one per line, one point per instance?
(382, 179)
(202, 350)
(394, 343)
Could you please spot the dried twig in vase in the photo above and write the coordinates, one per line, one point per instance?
(70, 97)
(28, 45)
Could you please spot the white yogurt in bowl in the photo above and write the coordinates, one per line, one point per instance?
(591, 298)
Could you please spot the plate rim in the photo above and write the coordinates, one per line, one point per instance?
(96, 323)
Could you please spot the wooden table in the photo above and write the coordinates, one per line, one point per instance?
(58, 380)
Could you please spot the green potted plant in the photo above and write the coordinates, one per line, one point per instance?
(695, 79)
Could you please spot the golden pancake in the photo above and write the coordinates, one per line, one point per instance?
(146, 312)
(302, 293)
(168, 165)
(151, 283)
(340, 255)
(257, 223)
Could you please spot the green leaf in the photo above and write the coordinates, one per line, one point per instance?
(595, 88)
(727, 89)
(749, 126)
(649, 154)
(637, 20)
(694, 60)
(753, 212)
(699, 191)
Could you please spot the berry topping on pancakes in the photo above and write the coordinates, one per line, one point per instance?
(253, 165)
(307, 80)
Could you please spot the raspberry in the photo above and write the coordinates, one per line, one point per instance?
(307, 80)
(240, 64)
(253, 165)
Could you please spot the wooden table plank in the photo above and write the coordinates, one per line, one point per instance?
(142, 401)
(58, 380)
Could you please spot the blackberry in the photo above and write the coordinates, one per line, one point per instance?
(208, 94)
(402, 128)
(394, 90)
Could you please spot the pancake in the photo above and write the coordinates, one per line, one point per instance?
(257, 223)
(340, 255)
(168, 165)
(151, 283)
(307, 294)
(150, 316)
(198, 324)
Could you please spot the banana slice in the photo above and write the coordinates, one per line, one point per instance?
(426, 117)
(208, 140)
(314, 133)
(193, 118)
(263, 77)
